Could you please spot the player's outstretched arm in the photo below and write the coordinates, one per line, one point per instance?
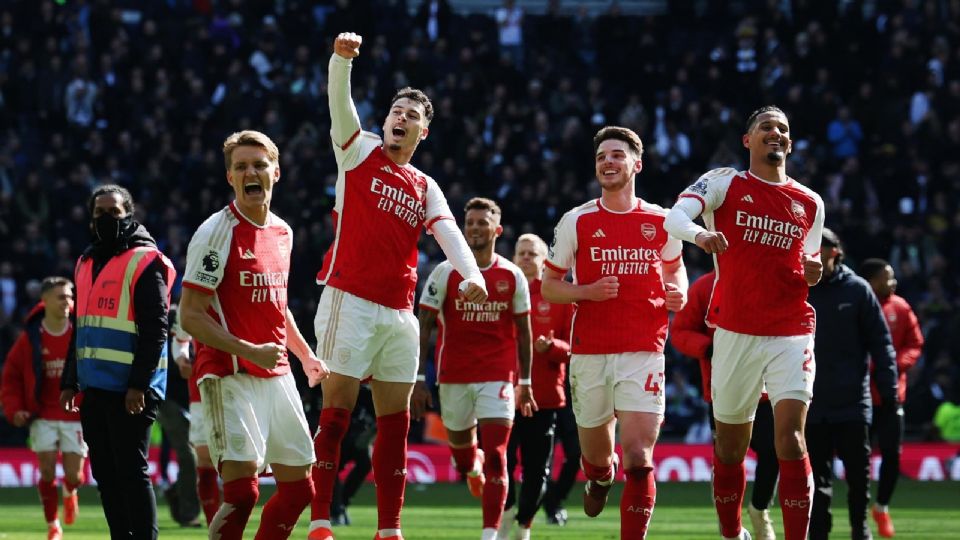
(198, 323)
(421, 399)
(314, 368)
(473, 287)
(559, 291)
(344, 120)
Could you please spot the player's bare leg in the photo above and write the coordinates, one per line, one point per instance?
(729, 475)
(391, 402)
(240, 493)
(283, 509)
(638, 435)
(796, 476)
(339, 397)
(599, 464)
(72, 478)
(47, 486)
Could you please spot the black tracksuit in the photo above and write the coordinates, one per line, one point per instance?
(850, 330)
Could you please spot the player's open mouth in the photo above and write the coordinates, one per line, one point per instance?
(610, 172)
(252, 188)
(399, 132)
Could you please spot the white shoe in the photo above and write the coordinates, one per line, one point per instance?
(744, 535)
(521, 533)
(762, 526)
(506, 523)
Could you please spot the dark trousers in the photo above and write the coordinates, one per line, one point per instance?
(888, 430)
(175, 420)
(344, 492)
(118, 444)
(850, 441)
(768, 467)
(566, 433)
(533, 437)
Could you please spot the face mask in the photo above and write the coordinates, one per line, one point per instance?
(108, 230)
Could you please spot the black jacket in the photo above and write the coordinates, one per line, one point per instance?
(149, 308)
(850, 330)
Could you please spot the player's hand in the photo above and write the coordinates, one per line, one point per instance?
(315, 369)
(605, 288)
(134, 402)
(712, 242)
(420, 400)
(184, 367)
(68, 401)
(21, 418)
(473, 292)
(543, 343)
(266, 355)
(347, 45)
(812, 270)
(676, 298)
(525, 401)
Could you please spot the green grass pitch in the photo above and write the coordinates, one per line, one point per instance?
(922, 511)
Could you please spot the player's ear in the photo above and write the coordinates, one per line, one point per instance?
(276, 174)
(746, 140)
(424, 133)
(499, 230)
(638, 166)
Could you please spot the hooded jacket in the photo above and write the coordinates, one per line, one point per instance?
(149, 306)
(850, 330)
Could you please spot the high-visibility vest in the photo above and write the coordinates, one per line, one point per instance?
(106, 326)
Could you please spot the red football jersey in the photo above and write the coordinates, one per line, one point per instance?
(477, 342)
(760, 289)
(54, 355)
(596, 242)
(380, 210)
(907, 342)
(245, 267)
(549, 369)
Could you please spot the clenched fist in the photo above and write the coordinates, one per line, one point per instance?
(266, 355)
(347, 45)
(712, 242)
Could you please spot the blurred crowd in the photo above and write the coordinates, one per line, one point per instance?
(143, 94)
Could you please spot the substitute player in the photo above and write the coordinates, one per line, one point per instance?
(764, 230)
(365, 324)
(627, 273)
(478, 348)
(888, 421)
(533, 436)
(31, 397)
(235, 304)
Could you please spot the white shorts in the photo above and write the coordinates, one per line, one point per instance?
(742, 364)
(53, 435)
(360, 338)
(602, 384)
(255, 419)
(198, 425)
(462, 404)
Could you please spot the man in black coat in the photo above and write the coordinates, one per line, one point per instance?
(850, 330)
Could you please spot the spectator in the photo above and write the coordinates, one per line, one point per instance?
(845, 134)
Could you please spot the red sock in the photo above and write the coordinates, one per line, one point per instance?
(282, 511)
(239, 498)
(71, 487)
(729, 485)
(494, 438)
(209, 491)
(334, 424)
(49, 498)
(636, 504)
(464, 458)
(796, 496)
(595, 473)
(390, 467)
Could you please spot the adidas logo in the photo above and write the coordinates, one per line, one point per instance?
(248, 254)
(386, 169)
(747, 198)
(599, 234)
